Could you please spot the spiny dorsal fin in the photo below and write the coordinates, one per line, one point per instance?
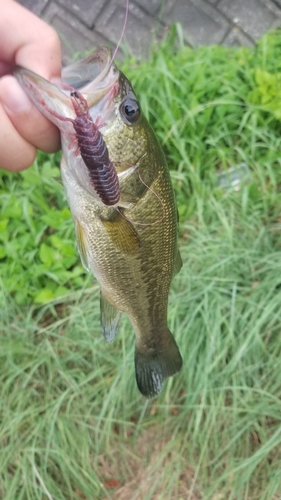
(178, 263)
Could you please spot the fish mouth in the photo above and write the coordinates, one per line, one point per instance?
(95, 77)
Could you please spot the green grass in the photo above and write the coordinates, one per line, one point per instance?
(73, 425)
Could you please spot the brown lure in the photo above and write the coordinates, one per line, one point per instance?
(92, 146)
(94, 152)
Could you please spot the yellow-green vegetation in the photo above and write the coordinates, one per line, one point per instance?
(73, 425)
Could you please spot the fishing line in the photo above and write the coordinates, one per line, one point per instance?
(122, 34)
(143, 223)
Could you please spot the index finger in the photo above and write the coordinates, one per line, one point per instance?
(35, 45)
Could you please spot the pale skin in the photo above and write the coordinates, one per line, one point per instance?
(25, 40)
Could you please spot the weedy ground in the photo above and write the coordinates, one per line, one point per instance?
(73, 425)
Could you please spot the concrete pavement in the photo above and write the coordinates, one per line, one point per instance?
(84, 24)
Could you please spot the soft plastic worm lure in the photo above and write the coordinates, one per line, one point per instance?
(94, 152)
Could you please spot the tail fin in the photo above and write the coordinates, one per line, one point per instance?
(154, 365)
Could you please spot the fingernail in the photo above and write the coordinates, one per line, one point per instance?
(13, 97)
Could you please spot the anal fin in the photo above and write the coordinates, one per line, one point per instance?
(109, 318)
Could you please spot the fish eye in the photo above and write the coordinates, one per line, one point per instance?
(130, 111)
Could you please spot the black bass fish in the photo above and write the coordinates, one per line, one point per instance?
(122, 201)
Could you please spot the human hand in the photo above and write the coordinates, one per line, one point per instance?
(25, 40)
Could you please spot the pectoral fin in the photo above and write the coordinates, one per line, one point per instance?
(131, 186)
(110, 319)
(122, 233)
(82, 244)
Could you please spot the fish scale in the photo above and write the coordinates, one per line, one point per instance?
(131, 247)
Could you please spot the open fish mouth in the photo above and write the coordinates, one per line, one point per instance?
(95, 77)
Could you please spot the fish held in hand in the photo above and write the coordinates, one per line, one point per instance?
(122, 201)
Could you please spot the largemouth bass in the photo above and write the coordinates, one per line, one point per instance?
(122, 201)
